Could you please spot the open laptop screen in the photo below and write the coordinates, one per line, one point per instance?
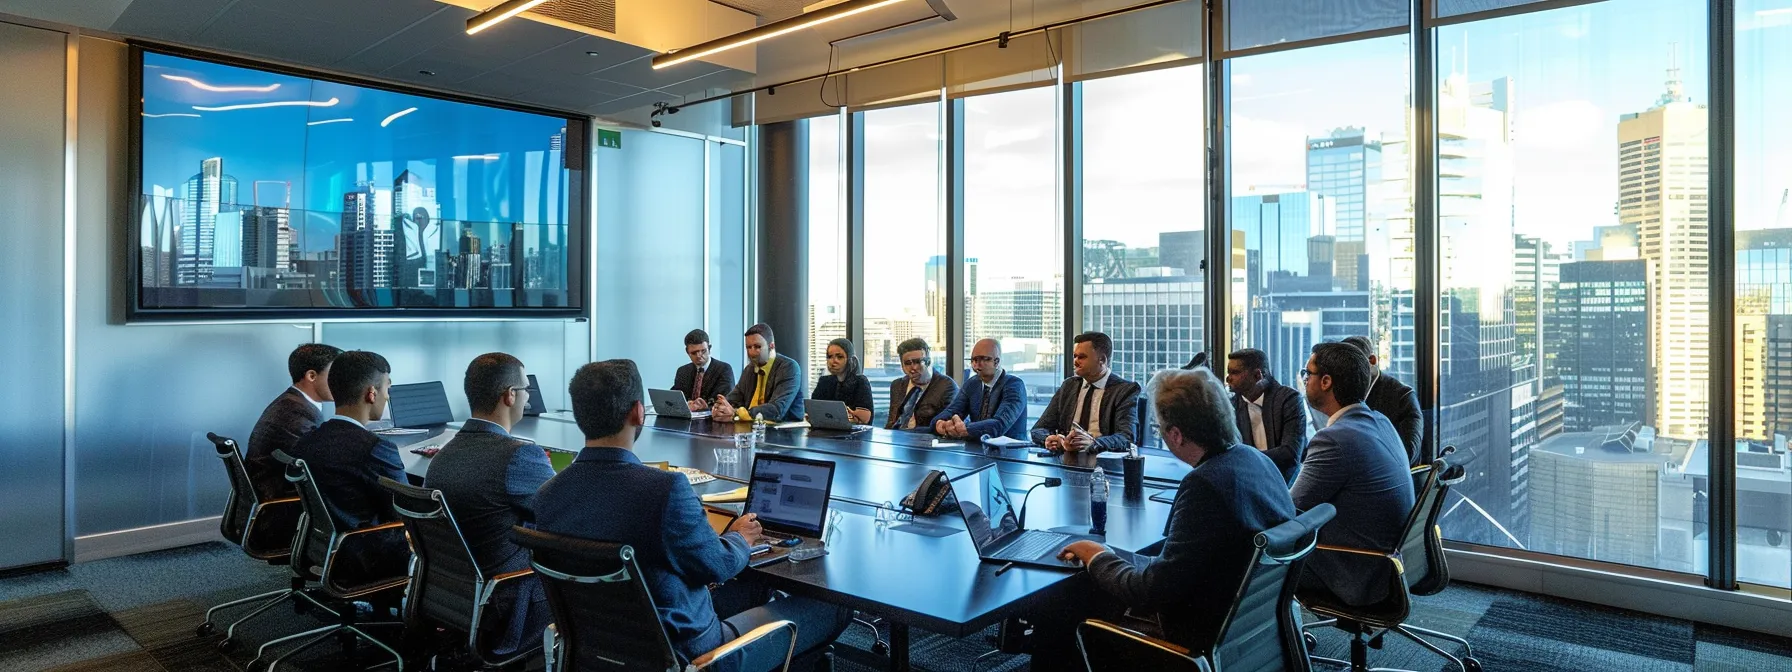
(537, 404)
(984, 502)
(790, 494)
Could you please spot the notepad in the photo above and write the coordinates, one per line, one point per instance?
(1005, 442)
(800, 424)
(736, 495)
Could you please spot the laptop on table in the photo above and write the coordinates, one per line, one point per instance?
(790, 496)
(825, 414)
(994, 523)
(672, 404)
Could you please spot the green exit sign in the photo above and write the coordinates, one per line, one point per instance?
(610, 139)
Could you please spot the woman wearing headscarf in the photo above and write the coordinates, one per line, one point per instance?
(844, 382)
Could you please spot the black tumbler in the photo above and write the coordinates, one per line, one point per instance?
(1133, 468)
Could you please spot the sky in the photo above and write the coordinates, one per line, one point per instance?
(323, 137)
(1575, 71)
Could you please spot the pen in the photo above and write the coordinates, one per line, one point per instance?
(1003, 568)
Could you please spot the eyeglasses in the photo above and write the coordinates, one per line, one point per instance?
(914, 362)
(1309, 373)
(981, 359)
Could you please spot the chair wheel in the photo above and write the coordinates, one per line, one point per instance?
(880, 648)
(1311, 641)
(205, 629)
(228, 646)
(1471, 665)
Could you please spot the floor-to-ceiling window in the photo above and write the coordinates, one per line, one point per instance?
(1763, 360)
(905, 252)
(827, 242)
(1572, 183)
(1013, 274)
(1144, 222)
(1321, 203)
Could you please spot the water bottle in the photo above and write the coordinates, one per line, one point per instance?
(758, 429)
(1098, 502)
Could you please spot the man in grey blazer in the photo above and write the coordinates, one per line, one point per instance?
(705, 377)
(1270, 416)
(1357, 465)
(922, 391)
(1094, 410)
(289, 416)
(771, 386)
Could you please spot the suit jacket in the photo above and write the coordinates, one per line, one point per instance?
(489, 479)
(347, 462)
(1358, 465)
(1119, 413)
(937, 395)
(288, 417)
(608, 495)
(1007, 410)
(1220, 507)
(783, 393)
(1284, 420)
(1400, 404)
(718, 378)
(855, 392)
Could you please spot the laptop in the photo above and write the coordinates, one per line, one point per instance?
(537, 405)
(419, 405)
(993, 521)
(790, 496)
(672, 404)
(825, 414)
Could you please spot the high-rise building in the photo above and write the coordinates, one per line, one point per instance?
(1280, 228)
(1663, 182)
(934, 281)
(1594, 495)
(1777, 374)
(366, 246)
(206, 194)
(1287, 325)
(1182, 250)
(1602, 309)
(1155, 322)
(1341, 167)
(468, 269)
(1020, 308)
(1536, 276)
(267, 238)
(417, 223)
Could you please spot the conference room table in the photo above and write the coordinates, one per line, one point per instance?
(911, 572)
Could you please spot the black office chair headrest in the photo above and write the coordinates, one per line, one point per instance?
(573, 555)
(413, 501)
(222, 443)
(1292, 537)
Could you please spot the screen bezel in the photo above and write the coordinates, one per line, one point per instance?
(827, 500)
(128, 228)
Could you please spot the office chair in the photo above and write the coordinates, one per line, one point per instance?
(447, 588)
(1259, 633)
(604, 617)
(1421, 547)
(315, 548)
(263, 529)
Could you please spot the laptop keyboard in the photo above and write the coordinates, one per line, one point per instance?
(1035, 544)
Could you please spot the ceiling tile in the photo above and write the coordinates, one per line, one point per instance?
(404, 43)
(168, 20)
(640, 73)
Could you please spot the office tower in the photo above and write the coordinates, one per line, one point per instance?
(1536, 275)
(1155, 322)
(1662, 183)
(1604, 365)
(227, 239)
(206, 194)
(1019, 308)
(417, 223)
(1595, 493)
(467, 266)
(1287, 325)
(162, 215)
(1341, 167)
(1182, 250)
(826, 323)
(1763, 302)
(934, 279)
(1279, 227)
(1777, 376)
(267, 238)
(366, 247)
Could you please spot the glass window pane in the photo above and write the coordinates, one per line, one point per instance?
(1763, 291)
(827, 243)
(1014, 277)
(1257, 23)
(658, 178)
(904, 242)
(1144, 229)
(1572, 183)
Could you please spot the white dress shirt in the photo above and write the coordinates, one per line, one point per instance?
(1341, 411)
(1259, 437)
(1094, 420)
(314, 402)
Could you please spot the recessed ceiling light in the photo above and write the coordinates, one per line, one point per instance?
(426, 72)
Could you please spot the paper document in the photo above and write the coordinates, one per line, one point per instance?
(736, 495)
(800, 424)
(947, 444)
(1005, 442)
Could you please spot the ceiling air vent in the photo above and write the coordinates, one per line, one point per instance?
(598, 14)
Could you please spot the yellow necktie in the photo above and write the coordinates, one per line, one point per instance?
(759, 394)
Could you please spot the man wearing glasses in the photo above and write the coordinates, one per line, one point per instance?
(705, 376)
(489, 479)
(920, 395)
(992, 404)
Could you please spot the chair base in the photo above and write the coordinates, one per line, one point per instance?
(354, 630)
(1364, 637)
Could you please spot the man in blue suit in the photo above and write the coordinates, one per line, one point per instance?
(1357, 464)
(993, 404)
(607, 494)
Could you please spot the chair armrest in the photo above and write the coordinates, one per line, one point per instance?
(377, 528)
(1106, 639)
(756, 634)
(282, 500)
(510, 575)
(1137, 636)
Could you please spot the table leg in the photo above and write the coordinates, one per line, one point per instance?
(899, 647)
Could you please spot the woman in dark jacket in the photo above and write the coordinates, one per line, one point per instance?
(844, 383)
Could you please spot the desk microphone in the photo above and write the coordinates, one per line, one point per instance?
(1199, 360)
(1050, 482)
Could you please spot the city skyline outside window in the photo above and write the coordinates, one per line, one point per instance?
(827, 244)
(264, 190)
(905, 248)
(1763, 248)
(1013, 275)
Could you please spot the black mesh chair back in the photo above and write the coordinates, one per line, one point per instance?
(242, 501)
(311, 543)
(1260, 634)
(603, 613)
(1422, 551)
(445, 580)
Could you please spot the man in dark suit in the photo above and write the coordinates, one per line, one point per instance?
(704, 377)
(1394, 399)
(1093, 410)
(607, 494)
(771, 387)
(1233, 493)
(922, 391)
(1270, 416)
(1357, 465)
(289, 416)
(488, 478)
(991, 403)
(347, 462)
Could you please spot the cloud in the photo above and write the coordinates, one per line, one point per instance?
(1267, 155)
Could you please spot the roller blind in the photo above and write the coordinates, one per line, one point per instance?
(1260, 23)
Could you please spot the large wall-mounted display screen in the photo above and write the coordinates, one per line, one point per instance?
(264, 194)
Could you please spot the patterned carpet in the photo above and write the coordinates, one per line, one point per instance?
(139, 613)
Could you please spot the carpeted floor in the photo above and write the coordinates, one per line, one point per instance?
(139, 613)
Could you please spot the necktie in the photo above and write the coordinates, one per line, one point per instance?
(908, 407)
(988, 393)
(1088, 399)
(697, 386)
(759, 392)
